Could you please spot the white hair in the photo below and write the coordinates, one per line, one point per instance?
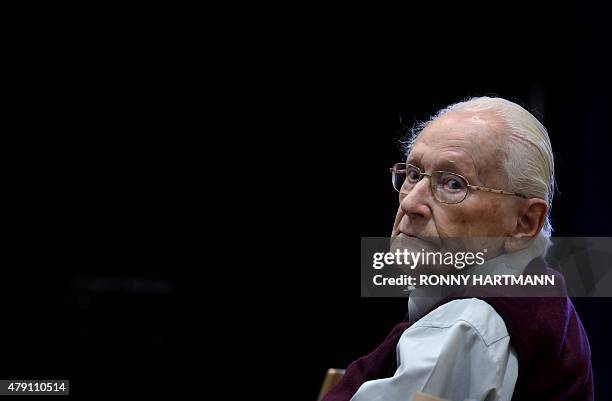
(529, 163)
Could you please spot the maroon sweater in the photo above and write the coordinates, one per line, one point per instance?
(552, 349)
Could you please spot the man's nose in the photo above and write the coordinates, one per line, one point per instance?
(417, 201)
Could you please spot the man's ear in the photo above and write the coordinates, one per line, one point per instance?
(530, 220)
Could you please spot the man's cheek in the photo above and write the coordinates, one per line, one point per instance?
(493, 217)
(453, 224)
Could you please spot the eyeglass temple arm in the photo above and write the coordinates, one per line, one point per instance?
(498, 191)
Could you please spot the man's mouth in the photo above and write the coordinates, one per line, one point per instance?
(407, 235)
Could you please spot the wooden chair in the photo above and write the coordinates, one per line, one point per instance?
(333, 376)
(418, 396)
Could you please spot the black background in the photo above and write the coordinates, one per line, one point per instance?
(107, 159)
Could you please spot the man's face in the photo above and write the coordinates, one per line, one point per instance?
(469, 144)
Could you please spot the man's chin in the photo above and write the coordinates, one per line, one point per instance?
(426, 270)
(415, 245)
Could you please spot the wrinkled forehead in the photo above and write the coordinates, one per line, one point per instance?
(475, 137)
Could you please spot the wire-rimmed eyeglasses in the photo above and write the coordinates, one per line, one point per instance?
(446, 187)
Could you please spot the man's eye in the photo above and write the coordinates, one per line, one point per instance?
(413, 175)
(454, 184)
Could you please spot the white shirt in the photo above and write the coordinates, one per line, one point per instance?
(459, 351)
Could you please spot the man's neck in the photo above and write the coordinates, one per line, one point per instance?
(422, 299)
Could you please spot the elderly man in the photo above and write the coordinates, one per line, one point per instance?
(482, 168)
